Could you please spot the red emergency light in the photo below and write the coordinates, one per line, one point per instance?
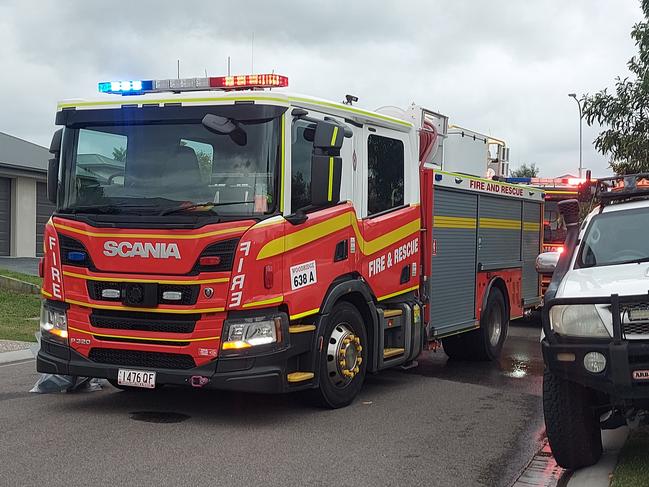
(249, 81)
(239, 82)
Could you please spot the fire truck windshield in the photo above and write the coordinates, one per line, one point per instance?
(152, 166)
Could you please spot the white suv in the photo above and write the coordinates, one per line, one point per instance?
(596, 322)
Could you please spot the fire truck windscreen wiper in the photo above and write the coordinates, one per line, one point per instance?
(207, 205)
(104, 209)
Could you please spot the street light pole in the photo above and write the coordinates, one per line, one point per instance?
(581, 116)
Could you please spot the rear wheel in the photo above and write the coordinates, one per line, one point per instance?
(571, 422)
(343, 357)
(485, 343)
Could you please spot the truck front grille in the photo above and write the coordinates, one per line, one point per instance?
(133, 358)
(188, 292)
(141, 321)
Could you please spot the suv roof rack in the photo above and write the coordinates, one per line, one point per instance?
(622, 188)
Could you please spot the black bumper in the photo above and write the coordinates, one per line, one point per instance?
(623, 357)
(616, 379)
(264, 373)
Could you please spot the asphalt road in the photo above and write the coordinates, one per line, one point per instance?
(440, 424)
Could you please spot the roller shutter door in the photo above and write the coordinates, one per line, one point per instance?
(5, 215)
(44, 210)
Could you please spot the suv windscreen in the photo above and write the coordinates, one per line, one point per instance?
(151, 166)
(617, 237)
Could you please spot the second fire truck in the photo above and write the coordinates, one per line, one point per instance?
(213, 234)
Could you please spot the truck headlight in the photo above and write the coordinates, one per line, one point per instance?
(579, 320)
(54, 323)
(252, 332)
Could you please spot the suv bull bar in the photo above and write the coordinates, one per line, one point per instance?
(623, 356)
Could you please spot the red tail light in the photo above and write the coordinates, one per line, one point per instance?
(210, 260)
(41, 267)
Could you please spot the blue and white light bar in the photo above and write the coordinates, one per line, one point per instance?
(240, 82)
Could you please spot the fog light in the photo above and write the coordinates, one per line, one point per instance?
(594, 362)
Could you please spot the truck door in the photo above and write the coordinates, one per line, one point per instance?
(453, 270)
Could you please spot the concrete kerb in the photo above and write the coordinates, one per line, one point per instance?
(16, 356)
(599, 474)
(18, 286)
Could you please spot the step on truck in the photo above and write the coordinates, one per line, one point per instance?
(223, 233)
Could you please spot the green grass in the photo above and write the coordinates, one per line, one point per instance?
(15, 311)
(21, 277)
(632, 469)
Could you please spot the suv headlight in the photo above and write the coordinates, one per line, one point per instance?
(579, 320)
(252, 332)
(54, 323)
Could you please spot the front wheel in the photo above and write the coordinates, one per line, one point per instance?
(571, 422)
(343, 357)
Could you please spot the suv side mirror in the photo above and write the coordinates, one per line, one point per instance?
(53, 166)
(326, 163)
(546, 262)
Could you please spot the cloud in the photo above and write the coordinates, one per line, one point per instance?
(503, 68)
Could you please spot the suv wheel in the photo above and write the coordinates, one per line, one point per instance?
(571, 422)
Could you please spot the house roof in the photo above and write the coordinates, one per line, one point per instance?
(17, 153)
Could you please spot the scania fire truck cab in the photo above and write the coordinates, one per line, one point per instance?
(212, 234)
(596, 322)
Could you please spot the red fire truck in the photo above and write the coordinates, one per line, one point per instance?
(213, 234)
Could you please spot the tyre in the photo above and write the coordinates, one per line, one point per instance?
(485, 343)
(343, 357)
(571, 422)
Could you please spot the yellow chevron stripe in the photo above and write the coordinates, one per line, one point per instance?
(306, 313)
(403, 291)
(453, 222)
(264, 302)
(499, 223)
(103, 335)
(531, 227)
(208, 99)
(167, 236)
(320, 230)
(159, 281)
(149, 310)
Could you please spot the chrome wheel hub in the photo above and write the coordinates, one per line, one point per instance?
(495, 327)
(344, 356)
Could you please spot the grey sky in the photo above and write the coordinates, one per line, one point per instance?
(499, 67)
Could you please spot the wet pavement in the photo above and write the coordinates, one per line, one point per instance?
(440, 424)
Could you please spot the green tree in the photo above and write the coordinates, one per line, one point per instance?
(525, 171)
(625, 113)
(119, 154)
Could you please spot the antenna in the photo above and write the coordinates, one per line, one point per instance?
(252, 54)
(178, 67)
(228, 65)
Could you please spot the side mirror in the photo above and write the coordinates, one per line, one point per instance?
(326, 163)
(53, 166)
(225, 126)
(547, 262)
